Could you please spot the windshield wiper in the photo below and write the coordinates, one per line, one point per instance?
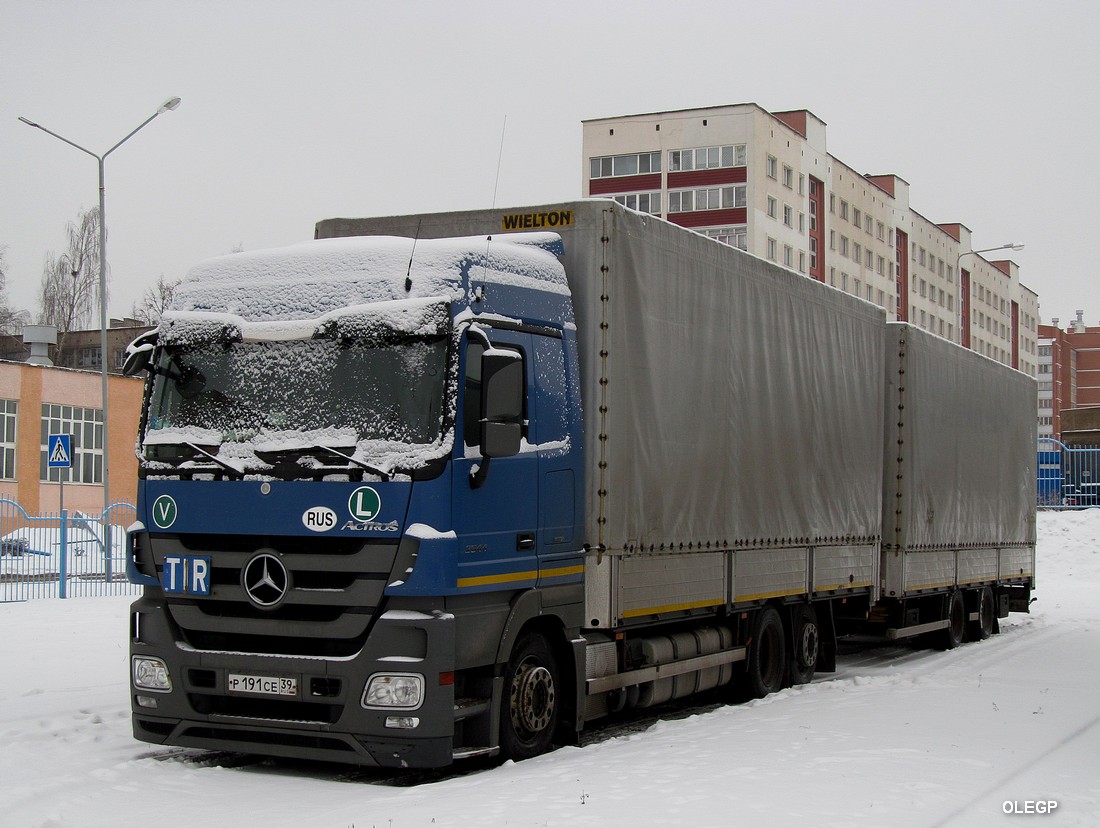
(385, 475)
(223, 463)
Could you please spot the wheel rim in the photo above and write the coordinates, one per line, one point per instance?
(807, 645)
(532, 699)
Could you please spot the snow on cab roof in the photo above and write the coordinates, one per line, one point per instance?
(312, 278)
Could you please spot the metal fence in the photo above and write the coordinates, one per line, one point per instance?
(63, 555)
(1069, 476)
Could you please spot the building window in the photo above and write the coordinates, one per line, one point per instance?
(788, 255)
(8, 411)
(613, 166)
(772, 167)
(86, 427)
(844, 209)
(771, 249)
(88, 358)
(709, 198)
(773, 207)
(706, 158)
(857, 253)
(733, 236)
(844, 246)
(643, 202)
(788, 215)
(857, 217)
(788, 177)
(879, 231)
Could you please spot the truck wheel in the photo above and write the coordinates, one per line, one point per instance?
(766, 668)
(955, 632)
(987, 612)
(807, 643)
(530, 709)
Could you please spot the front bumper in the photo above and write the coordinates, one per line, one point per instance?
(326, 719)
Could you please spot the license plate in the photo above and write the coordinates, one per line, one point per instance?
(261, 685)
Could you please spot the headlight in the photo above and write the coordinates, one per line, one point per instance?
(151, 674)
(405, 690)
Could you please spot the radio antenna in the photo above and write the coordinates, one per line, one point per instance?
(408, 273)
(500, 155)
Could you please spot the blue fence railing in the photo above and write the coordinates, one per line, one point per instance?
(1069, 476)
(63, 555)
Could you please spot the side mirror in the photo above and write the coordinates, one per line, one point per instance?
(502, 386)
(139, 354)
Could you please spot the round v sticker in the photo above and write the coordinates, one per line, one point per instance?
(164, 511)
(364, 503)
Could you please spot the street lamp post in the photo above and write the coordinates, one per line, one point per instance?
(167, 106)
(958, 274)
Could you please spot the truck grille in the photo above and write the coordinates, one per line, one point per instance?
(336, 586)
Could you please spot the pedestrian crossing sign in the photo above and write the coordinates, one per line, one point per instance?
(61, 455)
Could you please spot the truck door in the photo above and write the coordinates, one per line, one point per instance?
(495, 502)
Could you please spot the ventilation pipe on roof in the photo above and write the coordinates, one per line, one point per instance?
(40, 338)
(1079, 322)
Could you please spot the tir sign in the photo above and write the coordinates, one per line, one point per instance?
(186, 575)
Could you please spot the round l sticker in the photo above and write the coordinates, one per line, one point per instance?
(364, 503)
(164, 511)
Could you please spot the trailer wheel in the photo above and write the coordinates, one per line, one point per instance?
(766, 668)
(807, 644)
(987, 613)
(955, 632)
(530, 709)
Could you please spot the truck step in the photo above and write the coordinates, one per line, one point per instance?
(470, 752)
(468, 708)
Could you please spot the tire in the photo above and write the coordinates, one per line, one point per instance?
(530, 708)
(807, 645)
(954, 633)
(987, 616)
(766, 666)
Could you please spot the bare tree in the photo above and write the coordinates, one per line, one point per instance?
(155, 300)
(70, 281)
(11, 320)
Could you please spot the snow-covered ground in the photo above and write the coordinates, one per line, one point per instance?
(897, 737)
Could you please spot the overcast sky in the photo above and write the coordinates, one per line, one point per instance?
(297, 111)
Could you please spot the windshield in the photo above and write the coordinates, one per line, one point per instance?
(334, 392)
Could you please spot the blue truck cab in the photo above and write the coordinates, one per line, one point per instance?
(360, 479)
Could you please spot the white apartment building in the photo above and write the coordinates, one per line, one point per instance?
(765, 182)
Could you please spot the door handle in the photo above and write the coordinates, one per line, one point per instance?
(525, 541)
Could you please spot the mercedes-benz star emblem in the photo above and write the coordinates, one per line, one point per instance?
(265, 580)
